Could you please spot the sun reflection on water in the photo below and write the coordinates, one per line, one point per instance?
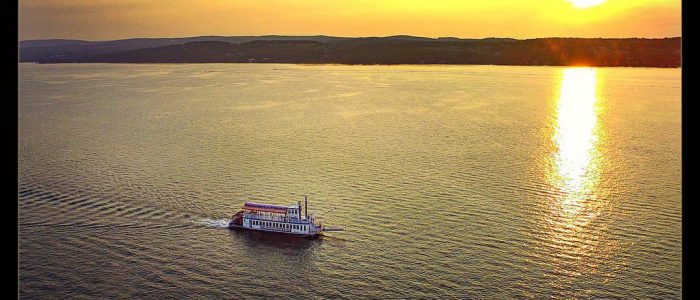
(576, 136)
(574, 243)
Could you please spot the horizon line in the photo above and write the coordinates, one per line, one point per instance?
(348, 37)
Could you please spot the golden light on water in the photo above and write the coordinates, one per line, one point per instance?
(575, 135)
(574, 175)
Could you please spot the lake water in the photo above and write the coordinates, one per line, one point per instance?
(453, 181)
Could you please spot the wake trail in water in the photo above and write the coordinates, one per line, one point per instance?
(42, 207)
(215, 223)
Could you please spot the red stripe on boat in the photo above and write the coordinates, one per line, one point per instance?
(264, 207)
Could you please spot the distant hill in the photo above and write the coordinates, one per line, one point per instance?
(401, 49)
(52, 43)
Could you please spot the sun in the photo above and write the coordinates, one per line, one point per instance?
(586, 3)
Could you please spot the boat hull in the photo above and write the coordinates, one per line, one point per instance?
(234, 226)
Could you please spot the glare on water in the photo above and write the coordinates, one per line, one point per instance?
(574, 175)
(477, 182)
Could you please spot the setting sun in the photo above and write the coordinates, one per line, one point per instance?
(352, 18)
(586, 3)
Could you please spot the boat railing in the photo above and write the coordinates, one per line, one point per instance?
(270, 218)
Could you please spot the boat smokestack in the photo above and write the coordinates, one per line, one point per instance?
(299, 210)
(306, 207)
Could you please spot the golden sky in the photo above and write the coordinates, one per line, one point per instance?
(117, 19)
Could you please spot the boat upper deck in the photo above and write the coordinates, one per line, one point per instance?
(276, 218)
(261, 207)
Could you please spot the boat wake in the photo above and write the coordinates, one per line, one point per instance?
(215, 223)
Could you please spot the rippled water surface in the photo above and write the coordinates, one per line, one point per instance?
(453, 181)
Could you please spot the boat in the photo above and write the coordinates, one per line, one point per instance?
(287, 219)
